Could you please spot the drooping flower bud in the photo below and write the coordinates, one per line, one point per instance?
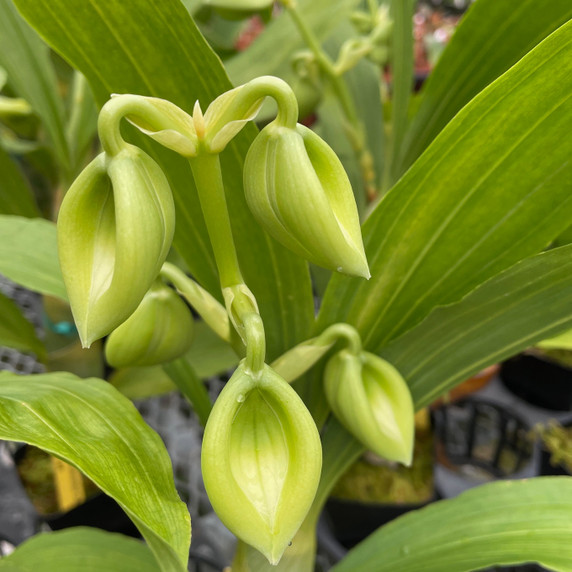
(261, 460)
(115, 229)
(160, 330)
(161, 120)
(297, 189)
(371, 399)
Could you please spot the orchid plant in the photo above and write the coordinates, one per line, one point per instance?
(424, 223)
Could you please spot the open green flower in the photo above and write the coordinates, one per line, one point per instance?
(115, 228)
(297, 189)
(261, 460)
(160, 330)
(371, 399)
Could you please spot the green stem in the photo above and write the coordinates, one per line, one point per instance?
(209, 308)
(208, 179)
(191, 386)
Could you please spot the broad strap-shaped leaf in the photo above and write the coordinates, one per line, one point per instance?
(92, 426)
(16, 331)
(525, 304)
(485, 195)
(15, 194)
(155, 49)
(29, 254)
(492, 37)
(502, 523)
(82, 548)
(31, 74)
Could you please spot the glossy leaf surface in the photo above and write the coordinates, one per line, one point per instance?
(506, 522)
(434, 237)
(29, 254)
(92, 426)
(525, 304)
(155, 49)
(85, 549)
(492, 37)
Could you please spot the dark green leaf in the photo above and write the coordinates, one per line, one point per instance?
(525, 304)
(15, 195)
(16, 331)
(492, 37)
(155, 49)
(93, 427)
(506, 522)
(485, 195)
(85, 549)
(29, 254)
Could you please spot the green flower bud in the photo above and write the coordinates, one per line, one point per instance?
(160, 330)
(298, 191)
(115, 229)
(261, 460)
(371, 399)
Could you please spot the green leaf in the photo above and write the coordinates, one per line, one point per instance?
(485, 195)
(561, 341)
(29, 255)
(142, 382)
(155, 49)
(31, 74)
(506, 522)
(490, 39)
(85, 549)
(525, 304)
(15, 194)
(401, 79)
(16, 331)
(93, 427)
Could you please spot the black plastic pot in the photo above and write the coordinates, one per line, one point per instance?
(479, 441)
(539, 381)
(352, 521)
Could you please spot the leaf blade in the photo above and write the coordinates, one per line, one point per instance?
(125, 458)
(15, 194)
(501, 523)
(29, 255)
(82, 548)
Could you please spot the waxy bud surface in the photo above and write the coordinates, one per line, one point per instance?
(261, 460)
(115, 228)
(371, 399)
(160, 330)
(297, 189)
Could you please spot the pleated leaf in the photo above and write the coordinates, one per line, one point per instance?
(85, 549)
(92, 426)
(485, 195)
(502, 523)
(527, 303)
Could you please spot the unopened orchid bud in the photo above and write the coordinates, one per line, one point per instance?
(115, 228)
(261, 460)
(160, 330)
(297, 189)
(371, 399)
